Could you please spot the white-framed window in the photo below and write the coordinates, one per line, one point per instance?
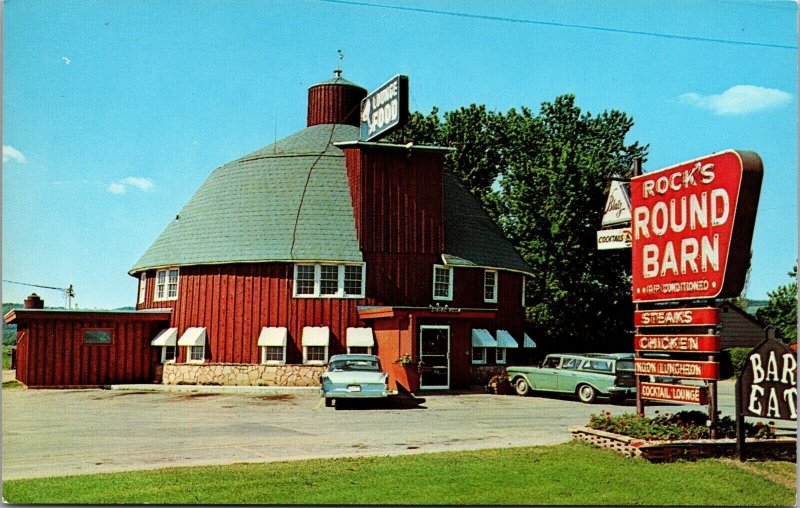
(329, 281)
(315, 355)
(500, 355)
(479, 355)
(166, 284)
(142, 287)
(490, 286)
(442, 282)
(359, 350)
(197, 354)
(169, 354)
(273, 355)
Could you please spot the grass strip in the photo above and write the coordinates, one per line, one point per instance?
(573, 474)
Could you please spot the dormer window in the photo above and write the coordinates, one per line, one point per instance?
(490, 286)
(442, 282)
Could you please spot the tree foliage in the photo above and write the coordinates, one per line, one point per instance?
(543, 177)
(781, 311)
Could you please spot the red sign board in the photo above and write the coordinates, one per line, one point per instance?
(677, 343)
(674, 393)
(692, 226)
(675, 368)
(701, 316)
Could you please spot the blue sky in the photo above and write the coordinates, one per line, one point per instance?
(115, 112)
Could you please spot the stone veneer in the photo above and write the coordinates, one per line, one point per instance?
(481, 374)
(231, 374)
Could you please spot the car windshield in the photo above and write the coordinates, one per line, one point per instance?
(367, 365)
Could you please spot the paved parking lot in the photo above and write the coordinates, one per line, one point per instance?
(65, 432)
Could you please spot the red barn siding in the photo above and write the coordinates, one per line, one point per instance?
(52, 352)
(332, 103)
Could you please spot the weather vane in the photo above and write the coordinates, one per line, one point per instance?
(338, 70)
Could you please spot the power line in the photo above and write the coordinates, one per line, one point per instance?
(33, 285)
(561, 25)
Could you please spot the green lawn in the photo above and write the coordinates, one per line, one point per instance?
(6, 357)
(573, 473)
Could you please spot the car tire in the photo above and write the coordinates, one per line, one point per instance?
(521, 387)
(587, 394)
(328, 402)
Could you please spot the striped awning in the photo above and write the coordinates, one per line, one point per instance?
(360, 337)
(273, 336)
(195, 336)
(168, 337)
(528, 342)
(315, 335)
(482, 338)
(504, 339)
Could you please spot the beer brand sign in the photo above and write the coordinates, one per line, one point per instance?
(608, 239)
(692, 225)
(700, 316)
(674, 393)
(385, 109)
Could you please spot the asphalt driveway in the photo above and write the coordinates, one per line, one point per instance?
(66, 432)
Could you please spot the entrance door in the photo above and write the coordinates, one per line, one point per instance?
(434, 351)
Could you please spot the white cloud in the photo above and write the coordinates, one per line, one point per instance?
(137, 182)
(738, 100)
(11, 153)
(117, 188)
(140, 183)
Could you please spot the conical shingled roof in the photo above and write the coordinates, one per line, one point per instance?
(288, 201)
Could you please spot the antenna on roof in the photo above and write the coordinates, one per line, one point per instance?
(338, 70)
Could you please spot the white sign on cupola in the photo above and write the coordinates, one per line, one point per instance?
(618, 204)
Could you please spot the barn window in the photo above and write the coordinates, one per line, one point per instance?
(500, 357)
(272, 342)
(97, 336)
(315, 344)
(442, 282)
(504, 342)
(194, 339)
(490, 286)
(329, 281)
(482, 340)
(142, 286)
(169, 354)
(360, 341)
(166, 284)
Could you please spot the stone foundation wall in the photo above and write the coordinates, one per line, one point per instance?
(482, 373)
(228, 374)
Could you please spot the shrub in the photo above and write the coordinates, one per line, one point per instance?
(671, 427)
(738, 356)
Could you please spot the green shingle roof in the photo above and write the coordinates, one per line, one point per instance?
(289, 201)
(471, 238)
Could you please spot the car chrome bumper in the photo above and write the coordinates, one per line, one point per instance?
(625, 390)
(343, 393)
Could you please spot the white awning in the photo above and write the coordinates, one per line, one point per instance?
(482, 338)
(195, 336)
(272, 336)
(360, 337)
(166, 337)
(504, 339)
(528, 342)
(315, 335)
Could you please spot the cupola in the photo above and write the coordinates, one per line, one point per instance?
(336, 101)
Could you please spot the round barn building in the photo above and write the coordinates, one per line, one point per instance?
(322, 244)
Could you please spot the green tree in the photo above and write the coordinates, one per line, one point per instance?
(544, 177)
(781, 311)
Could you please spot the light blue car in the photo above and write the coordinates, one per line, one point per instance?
(354, 377)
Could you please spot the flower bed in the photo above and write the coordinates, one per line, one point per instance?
(683, 435)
